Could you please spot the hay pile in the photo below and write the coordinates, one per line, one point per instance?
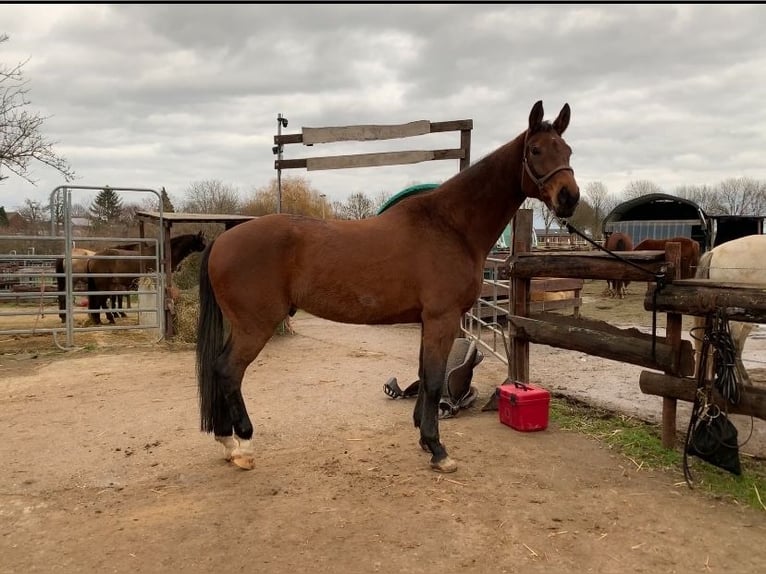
(187, 314)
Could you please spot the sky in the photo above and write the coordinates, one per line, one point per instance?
(165, 95)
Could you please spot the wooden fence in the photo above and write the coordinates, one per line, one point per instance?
(670, 358)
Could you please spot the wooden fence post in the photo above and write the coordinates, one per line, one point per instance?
(520, 286)
(673, 337)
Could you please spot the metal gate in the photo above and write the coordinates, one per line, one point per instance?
(32, 275)
(485, 322)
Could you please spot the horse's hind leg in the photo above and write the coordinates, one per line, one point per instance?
(231, 414)
(739, 333)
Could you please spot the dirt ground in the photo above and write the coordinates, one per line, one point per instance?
(104, 470)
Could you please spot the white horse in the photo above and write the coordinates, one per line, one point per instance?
(740, 260)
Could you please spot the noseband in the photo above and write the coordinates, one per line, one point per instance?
(540, 181)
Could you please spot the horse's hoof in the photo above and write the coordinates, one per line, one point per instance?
(245, 462)
(444, 465)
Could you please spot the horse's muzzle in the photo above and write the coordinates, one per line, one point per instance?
(566, 202)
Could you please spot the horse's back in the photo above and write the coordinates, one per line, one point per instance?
(739, 260)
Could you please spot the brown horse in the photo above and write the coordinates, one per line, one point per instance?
(618, 241)
(420, 261)
(181, 247)
(690, 252)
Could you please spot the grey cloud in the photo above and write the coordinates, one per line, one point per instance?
(166, 94)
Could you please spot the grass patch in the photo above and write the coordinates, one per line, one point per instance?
(641, 443)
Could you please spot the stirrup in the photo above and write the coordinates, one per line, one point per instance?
(391, 388)
(449, 408)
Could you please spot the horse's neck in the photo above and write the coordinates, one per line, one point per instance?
(481, 200)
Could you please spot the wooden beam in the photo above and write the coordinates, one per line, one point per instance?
(588, 265)
(288, 139)
(626, 349)
(435, 127)
(368, 159)
(451, 126)
(752, 399)
(365, 132)
(742, 303)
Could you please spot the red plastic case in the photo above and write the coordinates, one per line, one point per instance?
(522, 406)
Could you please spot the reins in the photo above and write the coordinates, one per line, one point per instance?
(659, 277)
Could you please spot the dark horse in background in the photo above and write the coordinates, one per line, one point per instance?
(690, 252)
(618, 241)
(181, 247)
(420, 261)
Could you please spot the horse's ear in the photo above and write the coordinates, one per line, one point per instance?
(536, 116)
(560, 123)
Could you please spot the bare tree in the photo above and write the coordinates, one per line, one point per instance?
(639, 188)
(600, 203)
(703, 195)
(380, 200)
(21, 139)
(34, 214)
(357, 206)
(211, 196)
(740, 196)
(79, 210)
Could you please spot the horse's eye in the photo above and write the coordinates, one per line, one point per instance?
(535, 150)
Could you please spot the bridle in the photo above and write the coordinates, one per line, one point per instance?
(539, 181)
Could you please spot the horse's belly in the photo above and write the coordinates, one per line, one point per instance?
(366, 309)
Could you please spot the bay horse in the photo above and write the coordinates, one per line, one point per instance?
(737, 261)
(420, 261)
(80, 265)
(181, 247)
(618, 241)
(690, 252)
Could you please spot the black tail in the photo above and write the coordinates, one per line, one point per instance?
(61, 286)
(209, 347)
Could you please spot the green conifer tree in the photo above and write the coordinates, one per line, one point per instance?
(107, 207)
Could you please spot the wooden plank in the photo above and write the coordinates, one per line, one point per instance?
(538, 306)
(451, 126)
(365, 132)
(583, 265)
(625, 349)
(288, 139)
(380, 159)
(368, 159)
(743, 304)
(752, 399)
(436, 127)
(556, 284)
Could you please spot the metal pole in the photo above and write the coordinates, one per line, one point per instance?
(69, 289)
(279, 170)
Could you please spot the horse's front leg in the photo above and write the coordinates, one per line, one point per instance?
(438, 336)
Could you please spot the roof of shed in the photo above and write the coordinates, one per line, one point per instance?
(656, 207)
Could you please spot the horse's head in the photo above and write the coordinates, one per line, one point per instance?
(198, 242)
(547, 175)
